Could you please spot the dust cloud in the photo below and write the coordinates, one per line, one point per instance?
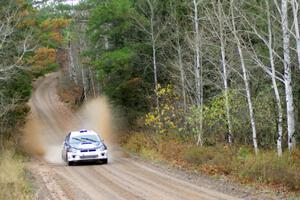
(46, 128)
(31, 140)
(97, 115)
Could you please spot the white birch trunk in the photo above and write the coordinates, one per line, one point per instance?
(224, 76)
(197, 53)
(246, 82)
(249, 100)
(226, 90)
(153, 43)
(295, 6)
(288, 76)
(155, 70)
(275, 87)
(201, 106)
(274, 84)
(198, 70)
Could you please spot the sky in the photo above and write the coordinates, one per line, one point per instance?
(68, 1)
(72, 1)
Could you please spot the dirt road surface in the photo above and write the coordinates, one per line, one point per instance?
(121, 178)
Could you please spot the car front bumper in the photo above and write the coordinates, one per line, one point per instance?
(84, 156)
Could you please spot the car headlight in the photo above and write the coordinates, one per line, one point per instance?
(102, 147)
(72, 150)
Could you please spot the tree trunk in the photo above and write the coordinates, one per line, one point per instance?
(288, 76)
(198, 70)
(249, 100)
(226, 90)
(72, 69)
(153, 43)
(225, 78)
(92, 81)
(246, 82)
(295, 6)
(155, 72)
(275, 87)
(274, 84)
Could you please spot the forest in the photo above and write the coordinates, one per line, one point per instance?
(28, 42)
(207, 71)
(207, 85)
(211, 85)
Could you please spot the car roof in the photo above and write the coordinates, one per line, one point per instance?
(83, 132)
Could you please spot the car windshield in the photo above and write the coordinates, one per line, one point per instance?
(84, 138)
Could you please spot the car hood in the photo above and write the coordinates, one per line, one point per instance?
(87, 145)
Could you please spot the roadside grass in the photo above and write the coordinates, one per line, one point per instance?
(239, 163)
(13, 181)
(268, 168)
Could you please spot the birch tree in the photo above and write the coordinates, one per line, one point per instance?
(245, 78)
(198, 70)
(222, 38)
(12, 49)
(153, 44)
(274, 83)
(268, 40)
(288, 75)
(295, 8)
(178, 48)
(152, 32)
(17, 41)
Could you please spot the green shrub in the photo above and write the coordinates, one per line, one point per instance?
(150, 154)
(137, 141)
(199, 155)
(268, 168)
(172, 150)
(240, 162)
(243, 152)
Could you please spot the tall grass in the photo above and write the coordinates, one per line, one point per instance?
(13, 182)
(239, 162)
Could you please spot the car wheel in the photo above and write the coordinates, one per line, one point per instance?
(70, 163)
(104, 161)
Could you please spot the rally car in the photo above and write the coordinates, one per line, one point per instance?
(84, 145)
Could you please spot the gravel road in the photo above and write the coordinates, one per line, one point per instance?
(121, 178)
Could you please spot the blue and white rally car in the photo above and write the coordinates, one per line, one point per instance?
(84, 145)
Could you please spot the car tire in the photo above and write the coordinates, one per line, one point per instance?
(104, 161)
(70, 163)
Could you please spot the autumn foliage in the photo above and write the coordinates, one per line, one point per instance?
(50, 33)
(164, 119)
(43, 57)
(54, 24)
(56, 37)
